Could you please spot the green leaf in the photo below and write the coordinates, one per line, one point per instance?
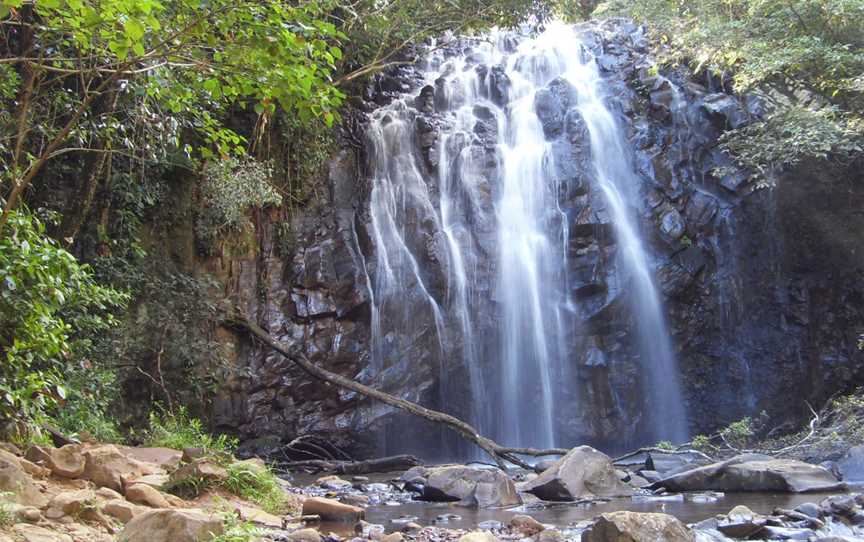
(134, 29)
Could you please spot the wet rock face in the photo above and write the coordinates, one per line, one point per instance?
(763, 289)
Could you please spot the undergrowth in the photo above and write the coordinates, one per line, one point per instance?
(259, 485)
(178, 430)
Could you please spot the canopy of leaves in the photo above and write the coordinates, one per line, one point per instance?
(804, 57)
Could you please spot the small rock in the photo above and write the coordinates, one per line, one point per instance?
(70, 503)
(550, 535)
(158, 481)
(393, 537)
(360, 479)
(526, 524)
(108, 493)
(411, 526)
(368, 530)
(191, 454)
(490, 525)
(36, 454)
(330, 510)
(333, 482)
(809, 509)
(305, 535)
(123, 510)
(148, 495)
(171, 526)
(165, 458)
(478, 536)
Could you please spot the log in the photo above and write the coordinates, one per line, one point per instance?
(382, 464)
(500, 454)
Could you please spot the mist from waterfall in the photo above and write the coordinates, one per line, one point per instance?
(483, 202)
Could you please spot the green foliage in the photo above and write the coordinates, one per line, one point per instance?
(664, 445)
(231, 187)
(235, 530)
(259, 485)
(803, 57)
(702, 443)
(48, 301)
(739, 433)
(7, 518)
(179, 430)
(85, 413)
(791, 135)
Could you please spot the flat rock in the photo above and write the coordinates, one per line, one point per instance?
(583, 473)
(70, 503)
(637, 527)
(470, 486)
(166, 458)
(330, 510)
(35, 533)
(754, 472)
(171, 526)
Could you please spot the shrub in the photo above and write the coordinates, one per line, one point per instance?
(739, 433)
(231, 187)
(259, 485)
(49, 306)
(178, 430)
(236, 530)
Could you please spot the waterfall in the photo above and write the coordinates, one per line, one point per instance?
(472, 242)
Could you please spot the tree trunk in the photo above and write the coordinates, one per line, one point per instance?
(500, 454)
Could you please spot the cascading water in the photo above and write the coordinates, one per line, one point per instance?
(482, 203)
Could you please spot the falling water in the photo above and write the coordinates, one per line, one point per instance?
(485, 197)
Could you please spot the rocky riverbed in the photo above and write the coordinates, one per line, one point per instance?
(100, 493)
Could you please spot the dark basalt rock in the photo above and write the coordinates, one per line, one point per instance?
(763, 288)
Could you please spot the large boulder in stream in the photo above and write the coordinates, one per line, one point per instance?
(584, 473)
(754, 472)
(471, 486)
(637, 527)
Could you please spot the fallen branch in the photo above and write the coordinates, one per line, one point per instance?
(382, 464)
(500, 454)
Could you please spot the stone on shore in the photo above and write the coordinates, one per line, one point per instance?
(172, 526)
(637, 527)
(470, 486)
(583, 473)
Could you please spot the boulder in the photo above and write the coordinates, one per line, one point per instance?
(11, 448)
(108, 494)
(637, 527)
(526, 524)
(34, 533)
(16, 481)
(200, 469)
(107, 467)
(583, 473)
(754, 472)
(66, 462)
(470, 486)
(330, 510)
(33, 469)
(70, 503)
(158, 481)
(21, 513)
(851, 466)
(171, 526)
(147, 495)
